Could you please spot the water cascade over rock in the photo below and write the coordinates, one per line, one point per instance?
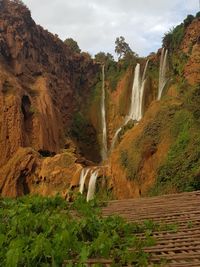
(92, 185)
(83, 176)
(162, 72)
(104, 150)
(136, 108)
(92, 174)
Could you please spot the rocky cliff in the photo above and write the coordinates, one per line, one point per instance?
(41, 80)
(50, 121)
(42, 84)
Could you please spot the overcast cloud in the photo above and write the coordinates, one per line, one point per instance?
(95, 24)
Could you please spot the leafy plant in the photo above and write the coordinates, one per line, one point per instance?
(41, 231)
(174, 37)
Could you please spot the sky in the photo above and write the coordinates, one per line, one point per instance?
(95, 24)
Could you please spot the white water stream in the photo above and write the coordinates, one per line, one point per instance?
(104, 150)
(92, 185)
(162, 72)
(136, 108)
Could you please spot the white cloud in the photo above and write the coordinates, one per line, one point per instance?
(96, 24)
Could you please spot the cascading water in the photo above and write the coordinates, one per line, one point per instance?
(84, 173)
(92, 185)
(162, 72)
(115, 137)
(135, 112)
(104, 150)
(135, 96)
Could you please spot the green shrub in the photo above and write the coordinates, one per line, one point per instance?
(38, 231)
(124, 158)
(174, 37)
(178, 61)
(188, 20)
(81, 129)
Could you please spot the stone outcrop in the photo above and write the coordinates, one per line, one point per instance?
(29, 173)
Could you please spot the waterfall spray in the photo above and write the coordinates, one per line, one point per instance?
(162, 72)
(104, 150)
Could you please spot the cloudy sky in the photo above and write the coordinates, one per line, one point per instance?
(95, 24)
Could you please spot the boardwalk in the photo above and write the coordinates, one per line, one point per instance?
(179, 248)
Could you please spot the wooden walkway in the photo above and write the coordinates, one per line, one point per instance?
(178, 248)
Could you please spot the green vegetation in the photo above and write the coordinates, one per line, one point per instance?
(153, 70)
(36, 231)
(180, 171)
(146, 143)
(73, 45)
(82, 129)
(103, 58)
(188, 20)
(115, 72)
(177, 62)
(79, 125)
(174, 37)
(123, 49)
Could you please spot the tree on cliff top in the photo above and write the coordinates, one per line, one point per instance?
(102, 57)
(73, 45)
(123, 49)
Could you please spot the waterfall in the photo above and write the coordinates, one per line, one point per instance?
(92, 185)
(115, 138)
(103, 117)
(162, 72)
(84, 173)
(135, 96)
(135, 112)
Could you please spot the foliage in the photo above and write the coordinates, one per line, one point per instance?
(178, 61)
(104, 58)
(73, 45)
(198, 15)
(123, 49)
(180, 171)
(82, 129)
(114, 73)
(188, 20)
(174, 37)
(37, 231)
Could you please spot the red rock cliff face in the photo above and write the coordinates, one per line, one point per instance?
(191, 46)
(40, 81)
